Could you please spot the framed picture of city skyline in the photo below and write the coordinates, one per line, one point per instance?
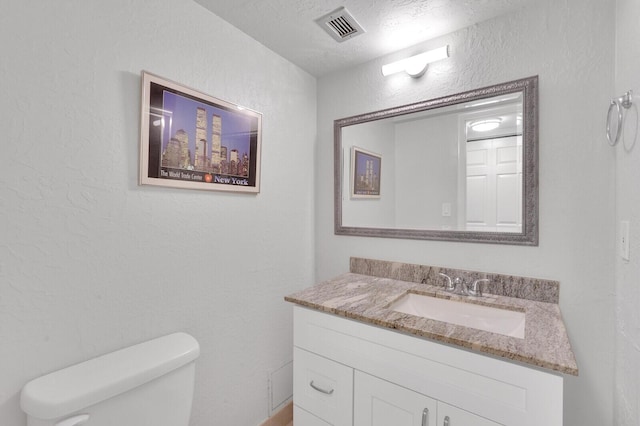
(365, 173)
(193, 140)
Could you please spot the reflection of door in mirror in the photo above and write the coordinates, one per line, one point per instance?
(491, 161)
(494, 185)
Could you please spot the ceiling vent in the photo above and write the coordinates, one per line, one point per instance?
(340, 25)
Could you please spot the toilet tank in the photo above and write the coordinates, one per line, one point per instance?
(149, 384)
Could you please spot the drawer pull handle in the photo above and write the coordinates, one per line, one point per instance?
(446, 421)
(425, 417)
(324, 391)
(78, 420)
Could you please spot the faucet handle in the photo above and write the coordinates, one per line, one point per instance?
(449, 286)
(476, 287)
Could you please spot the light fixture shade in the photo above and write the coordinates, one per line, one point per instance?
(416, 65)
(485, 125)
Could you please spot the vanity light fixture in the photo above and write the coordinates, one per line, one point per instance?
(485, 125)
(416, 65)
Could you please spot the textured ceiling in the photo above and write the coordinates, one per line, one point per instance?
(288, 27)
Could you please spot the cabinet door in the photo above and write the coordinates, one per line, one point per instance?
(381, 403)
(452, 416)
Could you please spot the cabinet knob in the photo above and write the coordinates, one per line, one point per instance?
(319, 389)
(446, 421)
(425, 417)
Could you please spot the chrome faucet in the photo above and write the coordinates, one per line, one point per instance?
(475, 289)
(458, 286)
(450, 286)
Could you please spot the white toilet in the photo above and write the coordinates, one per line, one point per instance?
(149, 384)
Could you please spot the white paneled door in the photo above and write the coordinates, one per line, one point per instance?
(494, 185)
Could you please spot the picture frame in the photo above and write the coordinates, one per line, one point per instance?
(366, 168)
(196, 141)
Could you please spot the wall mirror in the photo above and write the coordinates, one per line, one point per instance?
(462, 167)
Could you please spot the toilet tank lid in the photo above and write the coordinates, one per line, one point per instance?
(82, 385)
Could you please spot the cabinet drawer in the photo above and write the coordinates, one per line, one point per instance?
(304, 418)
(323, 387)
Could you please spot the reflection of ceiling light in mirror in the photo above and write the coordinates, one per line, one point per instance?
(485, 125)
(416, 65)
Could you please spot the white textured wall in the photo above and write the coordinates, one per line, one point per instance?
(91, 262)
(427, 177)
(627, 77)
(569, 44)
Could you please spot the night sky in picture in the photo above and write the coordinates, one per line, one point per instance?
(236, 128)
(361, 162)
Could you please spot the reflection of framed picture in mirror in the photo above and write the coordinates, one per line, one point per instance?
(365, 173)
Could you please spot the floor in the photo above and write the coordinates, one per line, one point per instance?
(284, 417)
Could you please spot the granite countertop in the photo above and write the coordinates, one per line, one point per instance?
(367, 298)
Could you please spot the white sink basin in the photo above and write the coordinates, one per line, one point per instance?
(487, 318)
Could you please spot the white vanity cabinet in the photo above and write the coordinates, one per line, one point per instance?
(350, 373)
